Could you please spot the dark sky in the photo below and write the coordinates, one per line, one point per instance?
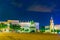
(38, 10)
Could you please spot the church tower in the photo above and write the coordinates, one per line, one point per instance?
(51, 24)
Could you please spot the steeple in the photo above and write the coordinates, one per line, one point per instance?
(51, 18)
(51, 24)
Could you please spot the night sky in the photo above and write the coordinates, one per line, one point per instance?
(26, 10)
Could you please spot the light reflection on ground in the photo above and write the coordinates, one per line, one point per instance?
(28, 36)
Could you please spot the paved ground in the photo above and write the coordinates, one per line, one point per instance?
(30, 36)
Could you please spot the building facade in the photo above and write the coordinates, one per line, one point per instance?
(55, 29)
(13, 25)
(28, 27)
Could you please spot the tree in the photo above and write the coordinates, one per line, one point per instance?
(27, 30)
(15, 26)
(3, 26)
(32, 22)
(22, 29)
(42, 29)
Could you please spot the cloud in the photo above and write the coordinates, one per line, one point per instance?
(40, 8)
(16, 4)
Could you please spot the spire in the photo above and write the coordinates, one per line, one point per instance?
(51, 18)
(51, 24)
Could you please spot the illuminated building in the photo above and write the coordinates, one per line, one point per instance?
(24, 26)
(55, 29)
(37, 26)
(50, 28)
(4, 24)
(28, 26)
(47, 29)
(13, 21)
(51, 25)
